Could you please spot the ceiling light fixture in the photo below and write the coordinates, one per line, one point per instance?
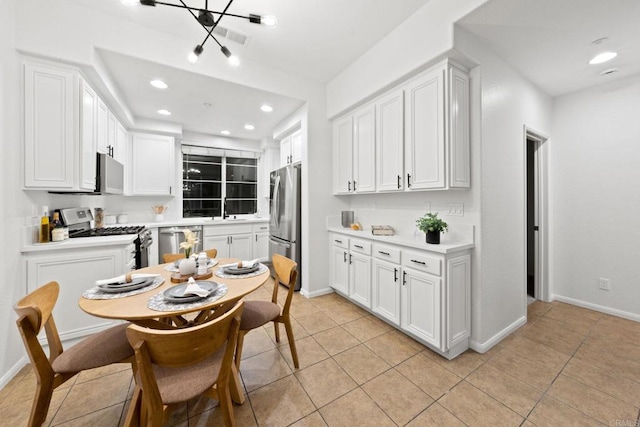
(602, 57)
(249, 126)
(266, 108)
(164, 112)
(225, 132)
(159, 84)
(208, 21)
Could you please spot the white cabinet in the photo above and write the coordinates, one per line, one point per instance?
(241, 246)
(88, 133)
(244, 241)
(342, 155)
(350, 269)
(421, 305)
(220, 243)
(102, 121)
(291, 149)
(339, 264)
(385, 298)
(120, 148)
(152, 165)
(54, 153)
(390, 142)
(261, 241)
(360, 279)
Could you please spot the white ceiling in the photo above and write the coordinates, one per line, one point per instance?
(549, 41)
(314, 39)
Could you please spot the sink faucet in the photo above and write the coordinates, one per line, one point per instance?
(224, 209)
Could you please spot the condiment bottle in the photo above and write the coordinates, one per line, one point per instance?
(99, 218)
(202, 263)
(55, 223)
(44, 226)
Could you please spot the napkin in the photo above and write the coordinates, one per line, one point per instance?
(193, 289)
(245, 264)
(123, 278)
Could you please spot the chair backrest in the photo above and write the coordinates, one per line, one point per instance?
(35, 312)
(211, 253)
(286, 271)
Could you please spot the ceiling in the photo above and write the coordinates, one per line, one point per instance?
(550, 41)
(314, 39)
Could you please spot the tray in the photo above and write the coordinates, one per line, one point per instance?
(211, 262)
(176, 293)
(178, 278)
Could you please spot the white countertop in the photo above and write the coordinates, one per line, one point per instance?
(418, 242)
(80, 242)
(199, 221)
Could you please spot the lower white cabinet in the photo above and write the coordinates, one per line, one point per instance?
(424, 294)
(220, 243)
(237, 241)
(261, 246)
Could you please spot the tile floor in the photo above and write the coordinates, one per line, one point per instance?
(566, 366)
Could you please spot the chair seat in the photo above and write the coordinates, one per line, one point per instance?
(112, 344)
(258, 313)
(181, 384)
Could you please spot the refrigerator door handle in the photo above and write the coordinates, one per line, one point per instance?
(276, 201)
(279, 242)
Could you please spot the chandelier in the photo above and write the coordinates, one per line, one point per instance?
(208, 21)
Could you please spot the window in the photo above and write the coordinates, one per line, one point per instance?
(211, 177)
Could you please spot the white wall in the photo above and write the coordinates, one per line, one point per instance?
(508, 103)
(595, 204)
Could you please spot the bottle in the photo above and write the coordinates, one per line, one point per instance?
(57, 231)
(44, 226)
(202, 263)
(99, 218)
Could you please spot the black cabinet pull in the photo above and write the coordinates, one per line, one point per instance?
(419, 262)
(354, 186)
(338, 241)
(349, 185)
(350, 259)
(358, 246)
(399, 178)
(404, 278)
(345, 257)
(384, 253)
(395, 274)
(408, 180)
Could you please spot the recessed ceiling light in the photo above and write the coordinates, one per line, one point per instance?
(225, 132)
(609, 71)
(266, 108)
(207, 105)
(249, 126)
(164, 112)
(602, 57)
(158, 84)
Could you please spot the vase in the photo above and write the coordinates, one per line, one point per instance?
(433, 237)
(187, 267)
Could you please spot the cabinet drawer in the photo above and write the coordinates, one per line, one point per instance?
(422, 261)
(388, 253)
(360, 246)
(225, 230)
(339, 240)
(261, 227)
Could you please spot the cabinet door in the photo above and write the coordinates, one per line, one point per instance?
(220, 243)
(240, 246)
(424, 131)
(364, 150)
(103, 127)
(88, 133)
(339, 270)
(421, 306)
(458, 112)
(385, 299)
(285, 151)
(458, 298)
(112, 126)
(360, 279)
(261, 246)
(50, 99)
(342, 155)
(152, 165)
(120, 149)
(390, 143)
(296, 146)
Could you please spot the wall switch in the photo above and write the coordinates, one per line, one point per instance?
(455, 208)
(604, 284)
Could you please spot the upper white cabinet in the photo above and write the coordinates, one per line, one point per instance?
(291, 148)
(421, 135)
(120, 148)
(103, 127)
(88, 134)
(152, 165)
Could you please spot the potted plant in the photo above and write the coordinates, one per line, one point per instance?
(432, 226)
(188, 265)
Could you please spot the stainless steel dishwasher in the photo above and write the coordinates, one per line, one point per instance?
(169, 239)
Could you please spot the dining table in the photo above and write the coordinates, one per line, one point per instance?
(135, 309)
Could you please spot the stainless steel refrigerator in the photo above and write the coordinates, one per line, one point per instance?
(284, 210)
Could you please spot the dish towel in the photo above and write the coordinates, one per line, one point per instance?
(193, 289)
(242, 264)
(123, 278)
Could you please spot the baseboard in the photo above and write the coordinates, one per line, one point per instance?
(305, 293)
(13, 372)
(597, 307)
(487, 345)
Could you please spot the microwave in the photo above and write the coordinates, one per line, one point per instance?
(109, 175)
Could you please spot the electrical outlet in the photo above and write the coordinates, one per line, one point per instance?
(604, 284)
(455, 209)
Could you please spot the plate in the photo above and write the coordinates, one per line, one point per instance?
(126, 287)
(240, 270)
(176, 293)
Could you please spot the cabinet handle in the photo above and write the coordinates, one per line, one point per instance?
(404, 278)
(354, 186)
(350, 259)
(349, 185)
(358, 246)
(384, 253)
(395, 274)
(170, 188)
(345, 257)
(399, 178)
(231, 239)
(338, 241)
(408, 180)
(256, 237)
(263, 228)
(419, 262)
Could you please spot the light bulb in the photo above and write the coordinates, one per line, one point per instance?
(269, 20)
(266, 108)
(195, 54)
(234, 60)
(602, 57)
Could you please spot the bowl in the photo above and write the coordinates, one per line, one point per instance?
(109, 219)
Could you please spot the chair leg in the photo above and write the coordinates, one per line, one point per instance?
(41, 401)
(277, 329)
(292, 342)
(239, 344)
(224, 397)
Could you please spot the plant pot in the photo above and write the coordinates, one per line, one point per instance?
(433, 237)
(187, 266)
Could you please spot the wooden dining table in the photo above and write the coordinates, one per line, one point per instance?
(134, 308)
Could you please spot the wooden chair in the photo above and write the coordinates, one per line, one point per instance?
(258, 313)
(211, 253)
(174, 366)
(101, 349)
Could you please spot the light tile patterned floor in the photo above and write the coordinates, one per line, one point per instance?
(566, 366)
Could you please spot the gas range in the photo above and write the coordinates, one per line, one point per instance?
(109, 231)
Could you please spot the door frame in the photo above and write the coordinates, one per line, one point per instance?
(542, 291)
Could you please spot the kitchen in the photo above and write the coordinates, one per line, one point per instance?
(496, 262)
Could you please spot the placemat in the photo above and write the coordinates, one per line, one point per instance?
(96, 293)
(220, 273)
(158, 303)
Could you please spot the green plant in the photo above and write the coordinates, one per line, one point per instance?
(431, 222)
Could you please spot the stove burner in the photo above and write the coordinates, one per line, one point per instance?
(109, 231)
